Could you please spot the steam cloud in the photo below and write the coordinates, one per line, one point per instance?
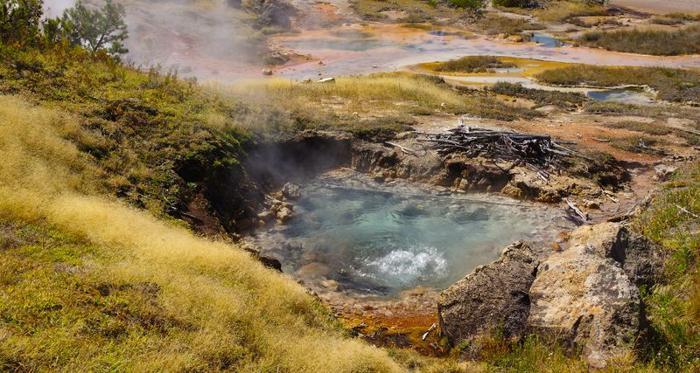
(207, 39)
(54, 8)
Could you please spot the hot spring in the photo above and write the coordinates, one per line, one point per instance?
(379, 239)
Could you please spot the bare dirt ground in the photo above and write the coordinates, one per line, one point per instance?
(660, 7)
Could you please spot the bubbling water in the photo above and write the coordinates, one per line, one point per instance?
(379, 239)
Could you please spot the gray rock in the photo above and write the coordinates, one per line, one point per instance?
(291, 191)
(494, 296)
(641, 259)
(663, 172)
(587, 301)
(284, 214)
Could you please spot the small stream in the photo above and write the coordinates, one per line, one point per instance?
(546, 40)
(374, 239)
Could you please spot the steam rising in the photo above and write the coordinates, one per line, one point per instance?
(54, 8)
(207, 39)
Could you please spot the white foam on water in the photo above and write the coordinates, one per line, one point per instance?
(408, 266)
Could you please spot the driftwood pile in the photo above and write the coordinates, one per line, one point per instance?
(538, 152)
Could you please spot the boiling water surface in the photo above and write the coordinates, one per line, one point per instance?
(385, 239)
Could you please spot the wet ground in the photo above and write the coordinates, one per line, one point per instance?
(362, 49)
(212, 41)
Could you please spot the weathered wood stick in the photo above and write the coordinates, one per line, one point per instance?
(403, 149)
(683, 209)
(575, 209)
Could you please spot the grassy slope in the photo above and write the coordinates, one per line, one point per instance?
(139, 128)
(89, 283)
(674, 307)
(360, 104)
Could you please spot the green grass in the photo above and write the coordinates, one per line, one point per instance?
(674, 306)
(540, 97)
(139, 127)
(364, 104)
(654, 129)
(654, 42)
(672, 84)
(472, 64)
(514, 3)
(416, 11)
(639, 144)
(562, 11)
(88, 283)
(667, 21)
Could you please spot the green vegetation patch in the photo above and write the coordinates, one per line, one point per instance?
(639, 144)
(139, 127)
(564, 10)
(654, 129)
(672, 84)
(674, 306)
(473, 64)
(540, 97)
(655, 42)
(416, 11)
(377, 102)
(516, 3)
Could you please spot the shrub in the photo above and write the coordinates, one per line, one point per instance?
(516, 3)
(471, 4)
(96, 29)
(20, 21)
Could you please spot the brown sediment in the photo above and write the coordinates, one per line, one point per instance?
(401, 322)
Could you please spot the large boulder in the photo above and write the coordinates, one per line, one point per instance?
(583, 297)
(493, 297)
(641, 259)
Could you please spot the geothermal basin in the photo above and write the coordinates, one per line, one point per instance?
(379, 239)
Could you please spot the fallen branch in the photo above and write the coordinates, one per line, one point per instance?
(610, 195)
(683, 209)
(404, 149)
(576, 210)
(426, 334)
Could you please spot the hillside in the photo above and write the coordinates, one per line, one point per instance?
(128, 199)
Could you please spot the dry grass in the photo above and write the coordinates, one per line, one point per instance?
(654, 42)
(108, 287)
(672, 84)
(561, 11)
(360, 103)
(472, 64)
(416, 11)
(654, 129)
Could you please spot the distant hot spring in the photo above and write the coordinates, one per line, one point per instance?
(381, 239)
